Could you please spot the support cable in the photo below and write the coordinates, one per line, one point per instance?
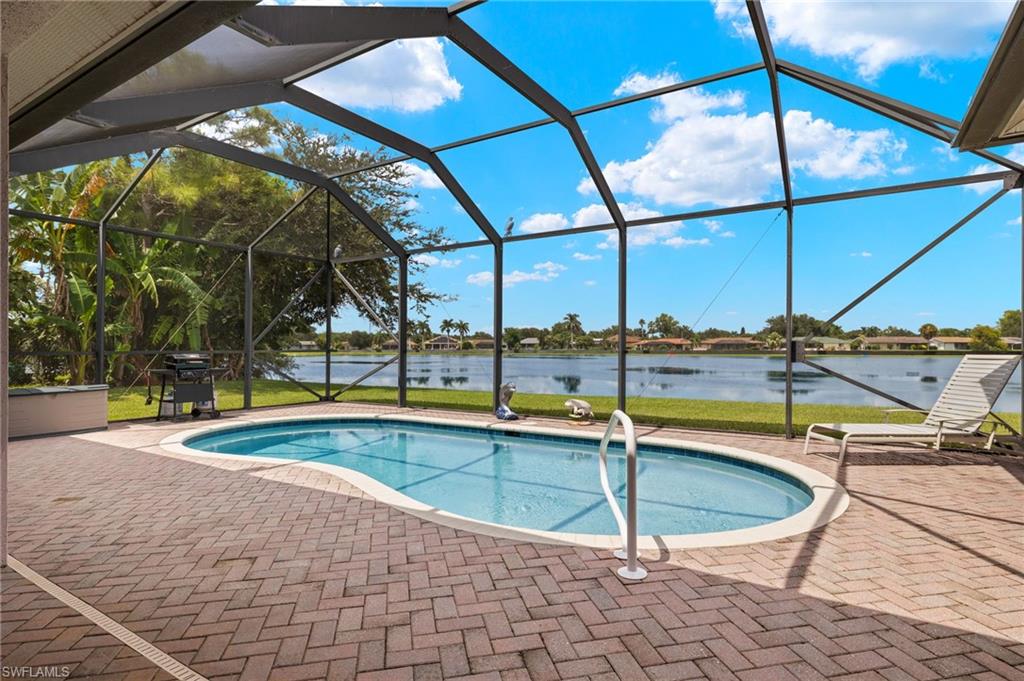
(720, 291)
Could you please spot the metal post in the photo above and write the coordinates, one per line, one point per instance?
(403, 328)
(1021, 369)
(760, 26)
(101, 307)
(328, 305)
(623, 248)
(5, 234)
(499, 314)
(248, 342)
(789, 323)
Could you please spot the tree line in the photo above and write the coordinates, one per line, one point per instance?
(163, 294)
(569, 333)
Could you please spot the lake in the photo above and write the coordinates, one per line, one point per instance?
(917, 379)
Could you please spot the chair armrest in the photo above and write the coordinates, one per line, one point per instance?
(895, 410)
(981, 419)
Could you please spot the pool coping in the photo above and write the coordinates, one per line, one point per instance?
(829, 498)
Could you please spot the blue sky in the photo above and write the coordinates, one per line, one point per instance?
(704, 148)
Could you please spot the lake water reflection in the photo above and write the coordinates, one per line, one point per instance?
(918, 379)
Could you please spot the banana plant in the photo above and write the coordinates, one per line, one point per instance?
(78, 327)
(139, 272)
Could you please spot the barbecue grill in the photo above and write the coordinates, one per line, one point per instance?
(187, 378)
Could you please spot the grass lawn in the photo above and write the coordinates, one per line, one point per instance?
(759, 417)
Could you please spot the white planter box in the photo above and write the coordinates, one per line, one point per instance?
(52, 410)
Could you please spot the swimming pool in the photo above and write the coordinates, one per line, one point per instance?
(539, 481)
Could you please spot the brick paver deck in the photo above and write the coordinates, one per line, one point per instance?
(249, 571)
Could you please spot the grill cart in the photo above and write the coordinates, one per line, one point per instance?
(186, 378)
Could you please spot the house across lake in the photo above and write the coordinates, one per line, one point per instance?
(664, 344)
(731, 344)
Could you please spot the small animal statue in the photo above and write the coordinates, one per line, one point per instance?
(580, 409)
(505, 393)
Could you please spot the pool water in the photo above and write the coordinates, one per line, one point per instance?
(531, 481)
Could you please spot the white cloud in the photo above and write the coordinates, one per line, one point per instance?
(434, 261)
(480, 278)
(597, 214)
(927, 70)
(715, 227)
(948, 153)
(542, 271)
(732, 158)
(549, 268)
(590, 282)
(680, 104)
(925, 314)
(543, 222)
(875, 35)
(861, 254)
(644, 235)
(1016, 154)
(418, 176)
(584, 257)
(680, 242)
(1013, 221)
(404, 75)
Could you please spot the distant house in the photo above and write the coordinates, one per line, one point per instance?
(306, 345)
(950, 343)
(738, 344)
(442, 343)
(482, 343)
(613, 341)
(392, 345)
(1012, 342)
(669, 344)
(530, 344)
(829, 344)
(894, 343)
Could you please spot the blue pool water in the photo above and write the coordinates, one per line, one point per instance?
(532, 481)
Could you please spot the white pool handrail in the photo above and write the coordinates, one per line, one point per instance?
(627, 524)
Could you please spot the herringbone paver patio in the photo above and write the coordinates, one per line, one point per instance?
(250, 571)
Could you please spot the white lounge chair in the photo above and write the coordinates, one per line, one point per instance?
(958, 414)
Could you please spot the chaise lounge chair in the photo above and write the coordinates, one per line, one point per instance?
(958, 415)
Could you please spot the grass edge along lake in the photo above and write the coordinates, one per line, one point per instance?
(759, 417)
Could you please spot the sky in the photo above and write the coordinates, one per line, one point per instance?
(703, 148)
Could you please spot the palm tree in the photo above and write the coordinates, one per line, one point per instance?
(421, 330)
(572, 323)
(462, 328)
(447, 326)
(774, 340)
(643, 328)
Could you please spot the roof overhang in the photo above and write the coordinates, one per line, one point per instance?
(102, 44)
(996, 114)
